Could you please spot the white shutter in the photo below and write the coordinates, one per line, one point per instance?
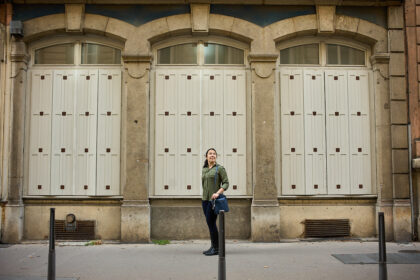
(109, 118)
(166, 133)
(292, 132)
(337, 132)
(188, 133)
(86, 123)
(212, 86)
(63, 133)
(40, 133)
(359, 133)
(235, 130)
(315, 159)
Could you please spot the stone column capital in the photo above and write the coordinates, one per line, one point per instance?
(263, 64)
(266, 58)
(137, 65)
(380, 58)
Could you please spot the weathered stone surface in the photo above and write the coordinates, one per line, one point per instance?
(265, 223)
(220, 24)
(396, 40)
(135, 223)
(305, 25)
(95, 23)
(387, 208)
(399, 136)
(399, 112)
(410, 12)
(397, 64)
(395, 17)
(401, 185)
(362, 218)
(74, 17)
(402, 221)
(185, 220)
(106, 217)
(43, 25)
(119, 29)
(326, 16)
(399, 161)
(179, 24)
(398, 87)
(346, 25)
(13, 224)
(200, 18)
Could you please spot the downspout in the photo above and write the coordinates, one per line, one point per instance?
(414, 233)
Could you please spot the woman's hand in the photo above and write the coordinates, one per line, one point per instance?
(214, 196)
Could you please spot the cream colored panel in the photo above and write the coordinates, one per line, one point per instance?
(166, 148)
(315, 158)
(40, 133)
(292, 132)
(86, 130)
(188, 133)
(108, 147)
(212, 86)
(234, 93)
(337, 132)
(359, 132)
(62, 181)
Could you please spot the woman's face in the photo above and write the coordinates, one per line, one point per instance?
(211, 156)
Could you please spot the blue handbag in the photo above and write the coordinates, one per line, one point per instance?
(221, 202)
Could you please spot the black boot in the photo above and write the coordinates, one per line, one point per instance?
(212, 252)
(208, 250)
(214, 249)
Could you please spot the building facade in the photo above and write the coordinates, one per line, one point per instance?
(107, 111)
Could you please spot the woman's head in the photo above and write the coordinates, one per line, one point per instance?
(211, 156)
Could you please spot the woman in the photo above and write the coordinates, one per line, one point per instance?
(211, 191)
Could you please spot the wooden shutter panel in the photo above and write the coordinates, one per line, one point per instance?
(86, 131)
(292, 136)
(109, 118)
(212, 86)
(40, 132)
(188, 133)
(62, 177)
(315, 158)
(234, 135)
(166, 124)
(337, 132)
(359, 132)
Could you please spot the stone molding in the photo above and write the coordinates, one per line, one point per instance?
(380, 58)
(263, 64)
(137, 203)
(264, 203)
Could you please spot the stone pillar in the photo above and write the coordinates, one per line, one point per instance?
(14, 139)
(265, 214)
(135, 209)
(383, 151)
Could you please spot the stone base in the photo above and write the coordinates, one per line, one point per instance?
(135, 221)
(387, 208)
(12, 232)
(402, 220)
(265, 221)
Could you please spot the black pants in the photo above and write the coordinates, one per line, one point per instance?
(211, 223)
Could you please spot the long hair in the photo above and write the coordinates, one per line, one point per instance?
(206, 162)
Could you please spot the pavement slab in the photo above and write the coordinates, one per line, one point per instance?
(184, 260)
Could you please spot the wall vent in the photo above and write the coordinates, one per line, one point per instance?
(80, 230)
(327, 228)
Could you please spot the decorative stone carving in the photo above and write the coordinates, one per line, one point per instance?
(262, 64)
(75, 14)
(137, 66)
(200, 18)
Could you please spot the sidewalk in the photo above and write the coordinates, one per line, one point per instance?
(184, 260)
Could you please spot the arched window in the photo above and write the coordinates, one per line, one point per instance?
(323, 54)
(77, 53)
(200, 53)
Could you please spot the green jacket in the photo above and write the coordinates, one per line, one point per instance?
(207, 180)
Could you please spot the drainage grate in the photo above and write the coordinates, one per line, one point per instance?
(83, 230)
(327, 228)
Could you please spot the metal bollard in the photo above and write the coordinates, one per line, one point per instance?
(383, 273)
(51, 252)
(382, 246)
(222, 260)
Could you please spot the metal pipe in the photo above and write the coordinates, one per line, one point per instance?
(51, 252)
(222, 260)
(414, 233)
(383, 271)
(382, 245)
